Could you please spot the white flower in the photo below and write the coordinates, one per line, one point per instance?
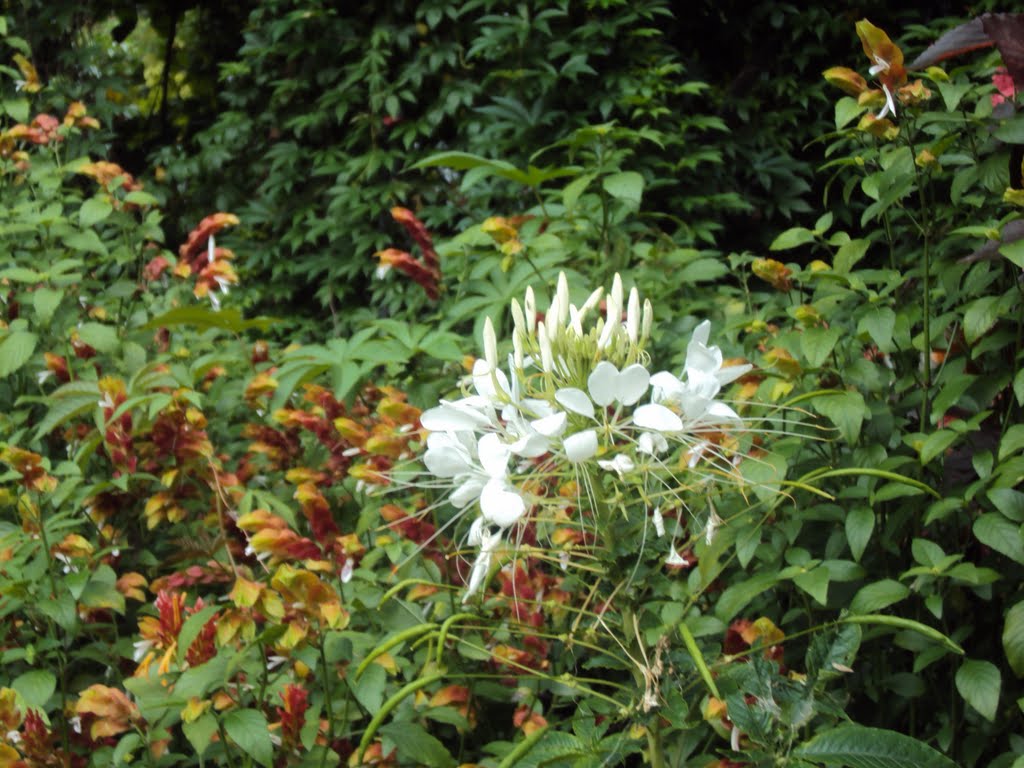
(478, 470)
(659, 522)
(676, 560)
(620, 465)
(486, 541)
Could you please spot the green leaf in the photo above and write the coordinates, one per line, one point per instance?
(94, 210)
(702, 271)
(995, 531)
(849, 254)
(15, 351)
(573, 190)
(36, 687)
(460, 161)
(125, 746)
(203, 317)
(859, 525)
(628, 186)
(418, 746)
(1018, 386)
(45, 302)
(248, 729)
(1014, 252)
(1012, 130)
(814, 583)
(979, 683)
(17, 109)
(369, 688)
(1009, 502)
(879, 324)
(875, 597)
(980, 316)
(102, 337)
(1013, 638)
(846, 110)
(22, 275)
(1012, 442)
(816, 344)
(846, 410)
(736, 597)
(87, 241)
(200, 732)
(855, 746)
(936, 443)
(952, 93)
(792, 238)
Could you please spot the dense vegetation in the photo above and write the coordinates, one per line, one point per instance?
(318, 446)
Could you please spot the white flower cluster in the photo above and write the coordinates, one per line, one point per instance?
(572, 393)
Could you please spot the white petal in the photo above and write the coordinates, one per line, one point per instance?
(657, 417)
(730, 374)
(481, 566)
(581, 446)
(449, 417)
(652, 443)
(602, 383)
(676, 560)
(500, 504)
(632, 384)
(659, 522)
(666, 387)
(550, 426)
(467, 491)
(575, 400)
(493, 455)
(476, 531)
(444, 458)
(718, 412)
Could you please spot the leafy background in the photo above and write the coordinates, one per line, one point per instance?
(875, 571)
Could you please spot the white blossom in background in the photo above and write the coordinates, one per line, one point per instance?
(578, 400)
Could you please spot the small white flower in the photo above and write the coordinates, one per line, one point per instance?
(486, 541)
(676, 560)
(659, 522)
(620, 465)
(346, 570)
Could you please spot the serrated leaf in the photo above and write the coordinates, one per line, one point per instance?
(94, 210)
(628, 186)
(418, 746)
(248, 729)
(792, 238)
(859, 525)
(855, 746)
(36, 687)
(979, 682)
(875, 597)
(15, 351)
(995, 531)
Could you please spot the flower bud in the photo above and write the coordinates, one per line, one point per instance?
(633, 316)
(490, 345)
